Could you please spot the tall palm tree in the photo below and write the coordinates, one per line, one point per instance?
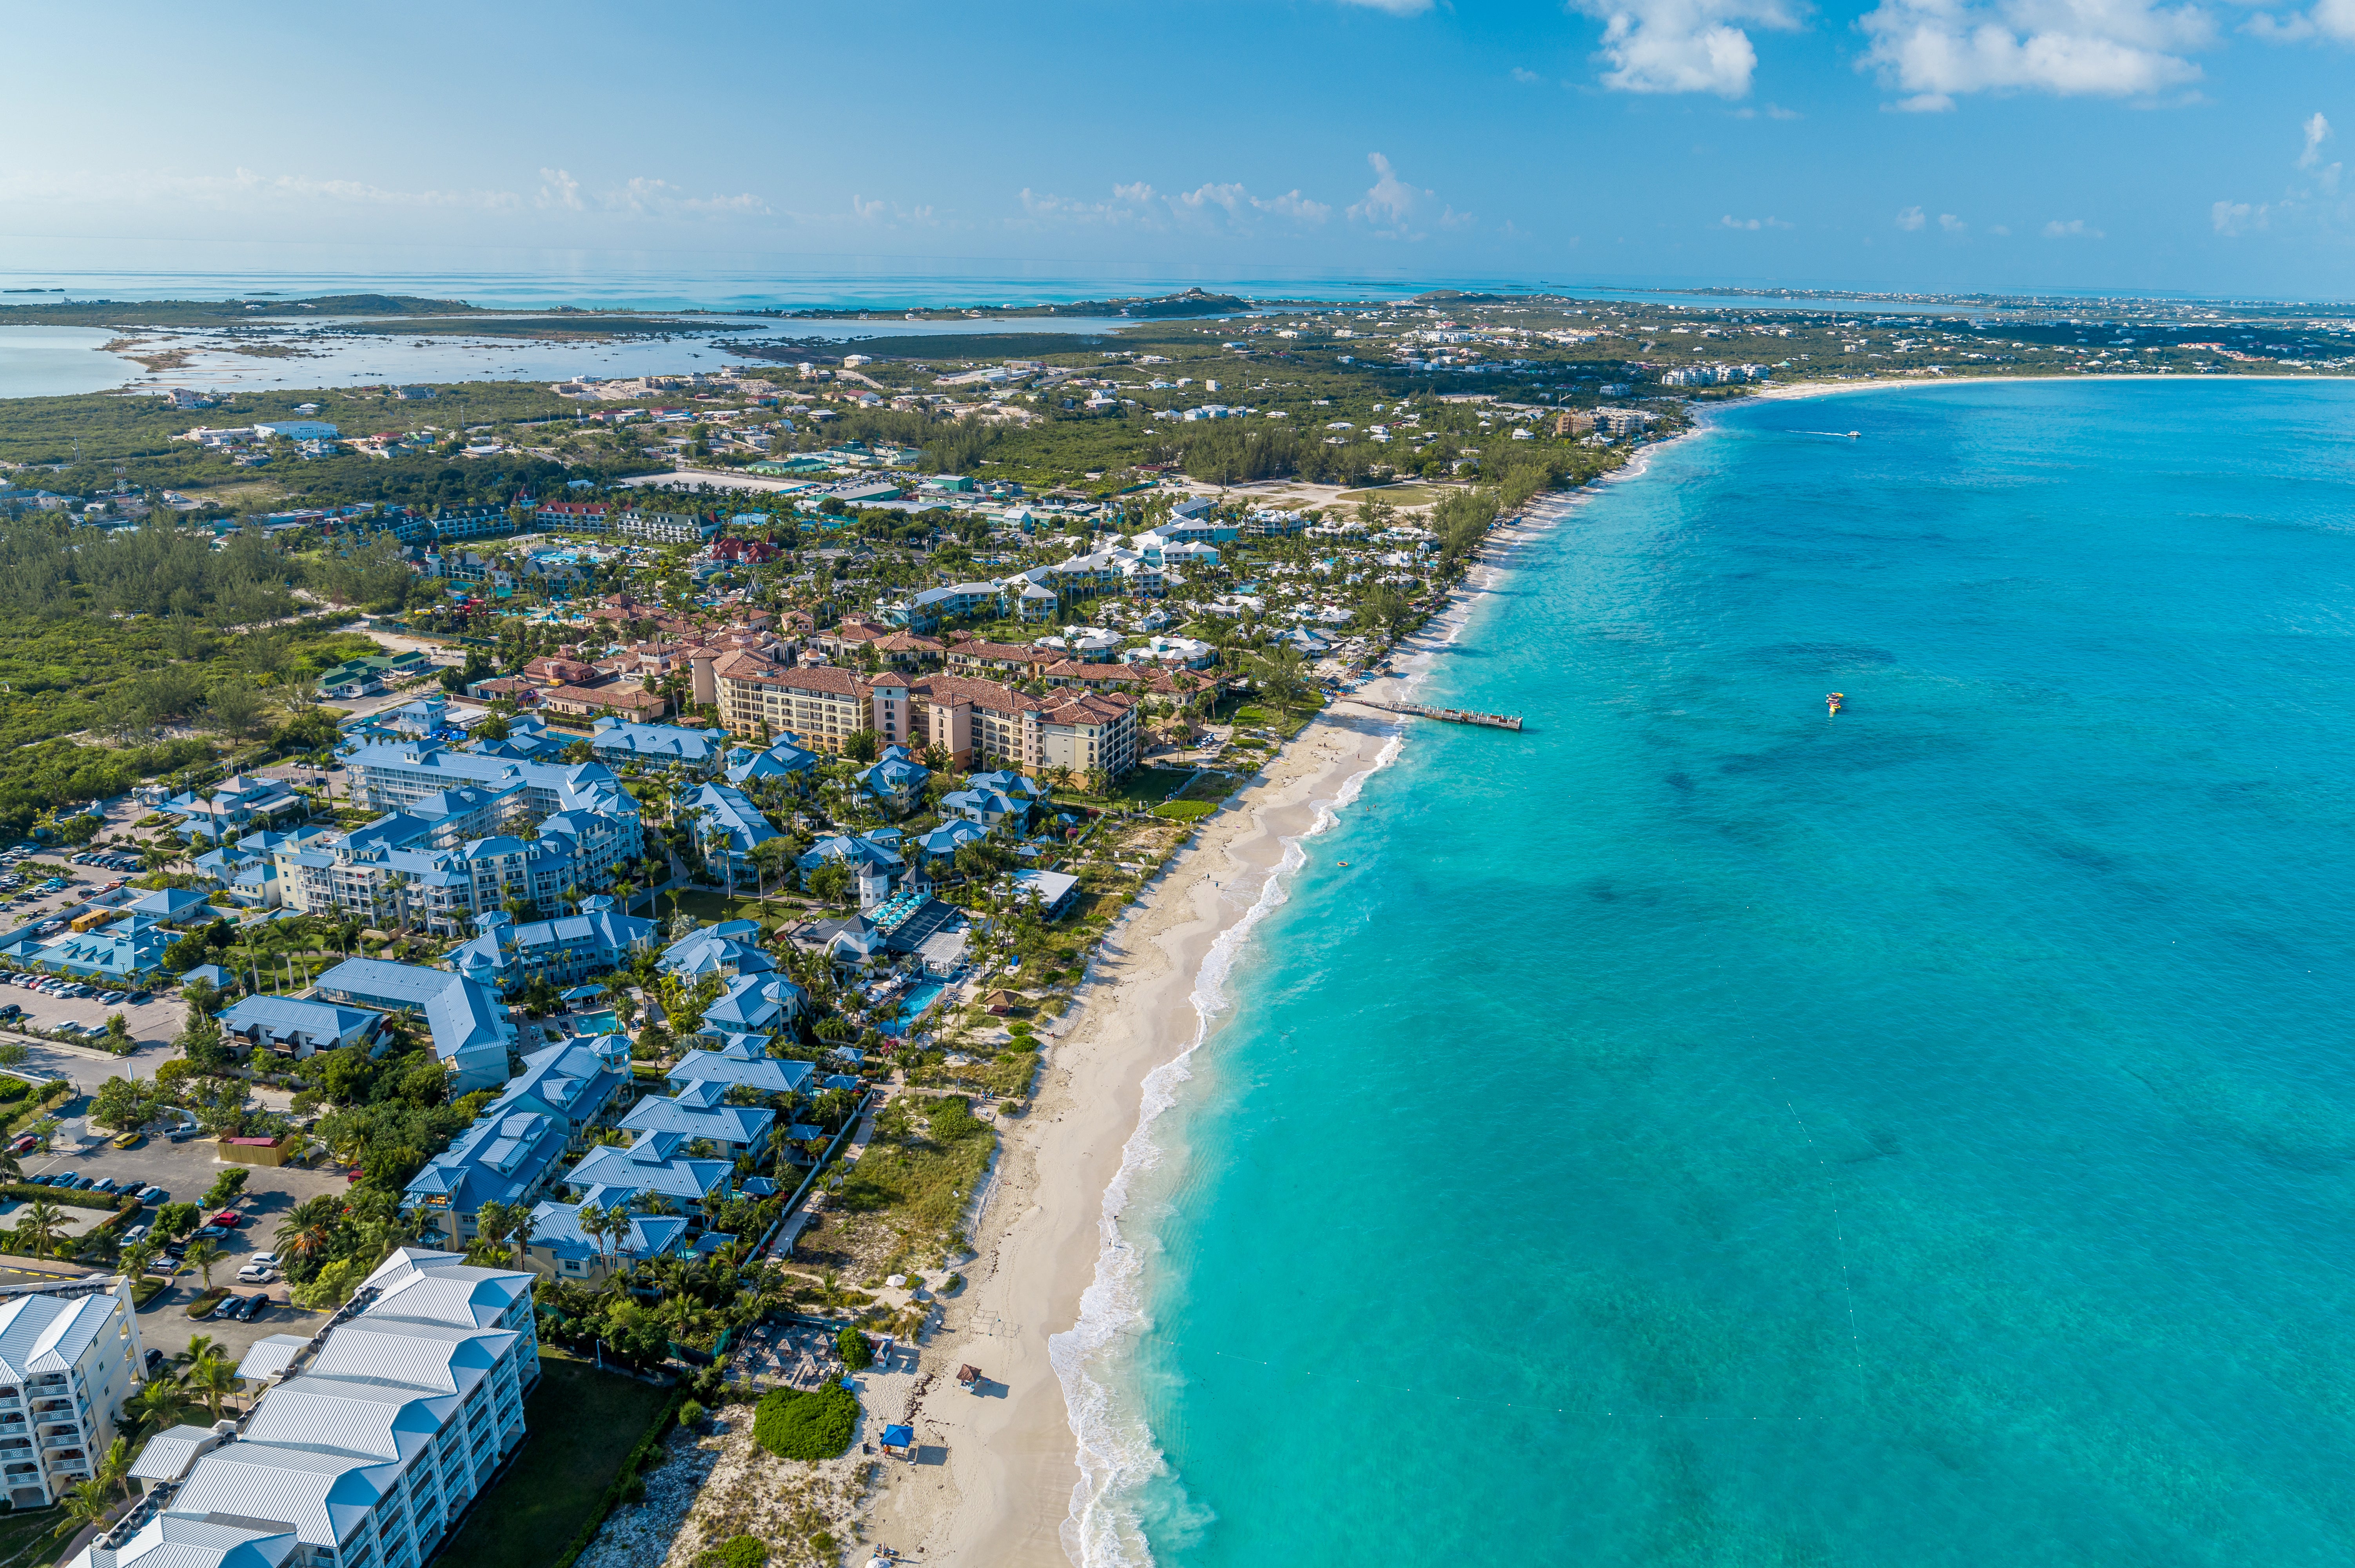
(212, 1377)
(309, 1226)
(204, 1255)
(39, 1225)
(85, 1505)
(137, 1256)
(158, 1406)
(114, 1467)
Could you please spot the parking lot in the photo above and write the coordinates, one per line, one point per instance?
(185, 1170)
(153, 1023)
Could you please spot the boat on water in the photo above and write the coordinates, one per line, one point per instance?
(1835, 701)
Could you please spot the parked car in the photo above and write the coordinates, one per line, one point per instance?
(136, 1234)
(101, 1184)
(181, 1134)
(25, 1144)
(262, 1260)
(155, 1358)
(128, 1140)
(208, 1234)
(154, 1195)
(251, 1274)
(228, 1219)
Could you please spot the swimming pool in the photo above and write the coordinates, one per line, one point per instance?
(918, 1001)
(594, 1023)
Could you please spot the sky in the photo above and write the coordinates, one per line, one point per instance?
(1930, 144)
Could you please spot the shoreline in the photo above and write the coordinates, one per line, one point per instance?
(1785, 390)
(1025, 1468)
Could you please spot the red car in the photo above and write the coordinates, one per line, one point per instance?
(230, 1218)
(25, 1144)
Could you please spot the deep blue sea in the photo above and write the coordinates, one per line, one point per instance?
(1699, 1130)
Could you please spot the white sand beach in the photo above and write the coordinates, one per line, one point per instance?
(998, 1483)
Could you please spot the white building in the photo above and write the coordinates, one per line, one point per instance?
(368, 1441)
(297, 430)
(667, 527)
(69, 1355)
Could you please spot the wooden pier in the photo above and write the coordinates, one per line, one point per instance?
(1444, 715)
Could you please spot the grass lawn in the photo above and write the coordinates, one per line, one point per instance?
(30, 1529)
(580, 1425)
(719, 906)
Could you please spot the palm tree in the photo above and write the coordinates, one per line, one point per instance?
(309, 1226)
(39, 1225)
(212, 1377)
(85, 1505)
(204, 1255)
(617, 1228)
(114, 1467)
(137, 1256)
(158, 1406)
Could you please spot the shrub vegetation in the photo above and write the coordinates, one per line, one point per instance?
(817, 1425)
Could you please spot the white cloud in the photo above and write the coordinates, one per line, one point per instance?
(243, 188)
(1137, 203)
(2002, 229)
(1729, 222)
(558, 188)
(1395, 7)
(2330, 19)
(1684, 46)
(1910, 219)
(1951, 224)
(1240, 203)
(2318, 131)
(1389, 202)
(1523, 74)
(1934, 49)
(2075, 229)
(2236, 217)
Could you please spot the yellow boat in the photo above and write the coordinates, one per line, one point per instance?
(1835, 701)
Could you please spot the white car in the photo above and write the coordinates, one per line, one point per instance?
(256, 1273)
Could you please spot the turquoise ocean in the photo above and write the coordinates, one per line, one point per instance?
(1699, 1130)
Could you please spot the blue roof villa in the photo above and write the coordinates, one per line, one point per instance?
(698, 752)
(700, 1112)
(730, 827)
(512, 1150)
(558, 1246)
(654, 1163)
(294, 1027)
(127, 950)
(783, 763)
(761, 1004)
(729, 949)
(895, 780)
(563, 951)
(740, 1060)
(469, 1026)
(507, 1156)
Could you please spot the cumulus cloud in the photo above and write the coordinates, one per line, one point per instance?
(2237, 218)
(2318, 131)
(1685, 45)
(1729, 222)
(1933, 50)
(243, 188)
(2328, 20)
(2075, 229)
(1951, 224)
(1239, 203)
(1910, 219)
(1523, 74)
(558, 188)
(1227, 202)
(1389, 203)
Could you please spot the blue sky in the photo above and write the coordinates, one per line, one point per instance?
(1929, 143)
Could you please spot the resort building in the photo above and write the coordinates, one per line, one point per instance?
(565, 951)
(512, 1151)
(696, 751)
(728, 949)
(666, 528)
(741, 1062)
(368, 1441)
(730, 827)
(700, 1115)
(295, 1027)
(654, 1165)
(69, 1356)
(560, 1247)
(470, 1028)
